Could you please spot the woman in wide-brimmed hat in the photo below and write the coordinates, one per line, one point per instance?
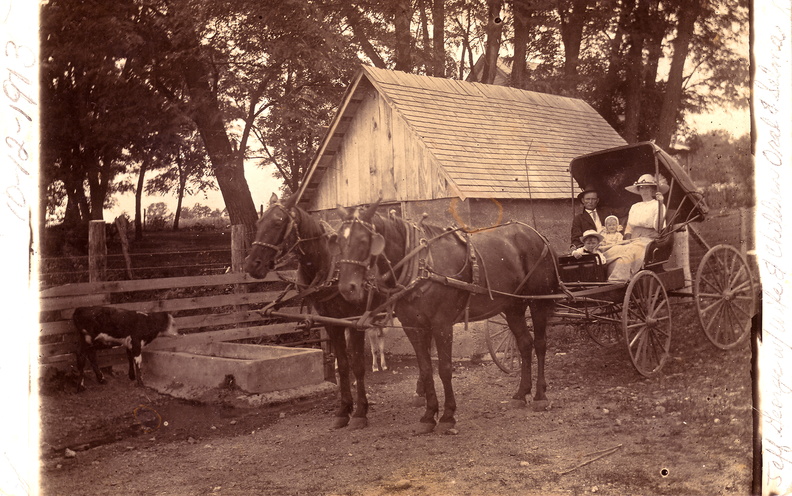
(643, 222)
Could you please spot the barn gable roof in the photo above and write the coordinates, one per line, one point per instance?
(491, 141)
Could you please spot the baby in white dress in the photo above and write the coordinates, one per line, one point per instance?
(611, 232)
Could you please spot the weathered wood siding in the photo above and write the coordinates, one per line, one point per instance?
(379, 154)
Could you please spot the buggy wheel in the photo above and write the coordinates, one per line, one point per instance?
(646, 320)
(725, 296)
(605, 331)
(502, 344)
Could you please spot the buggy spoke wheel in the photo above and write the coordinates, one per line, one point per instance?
(646, 321)
(502, 344)
(603, 328)
(725, 296)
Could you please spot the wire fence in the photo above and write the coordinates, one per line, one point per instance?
(55, 271)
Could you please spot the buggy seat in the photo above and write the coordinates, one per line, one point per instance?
(584, 269)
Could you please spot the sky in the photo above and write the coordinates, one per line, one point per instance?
(260, 182)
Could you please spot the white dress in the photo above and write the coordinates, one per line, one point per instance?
(626, 259)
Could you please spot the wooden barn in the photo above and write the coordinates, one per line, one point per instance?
(465, 153)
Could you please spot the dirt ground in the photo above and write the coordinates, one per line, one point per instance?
(686, 432)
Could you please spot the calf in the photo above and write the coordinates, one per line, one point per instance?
(105, 327)
(376, 339)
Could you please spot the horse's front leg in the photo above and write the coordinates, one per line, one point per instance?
(443, 342)
(420, 340)
(338, 341)
(356, 345)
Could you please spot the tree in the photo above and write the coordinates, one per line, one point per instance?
(186, 171)
(91, 103)
(494, 32)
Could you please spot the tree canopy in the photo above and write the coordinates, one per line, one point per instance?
(130, 86)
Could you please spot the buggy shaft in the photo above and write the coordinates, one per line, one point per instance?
(321, 319)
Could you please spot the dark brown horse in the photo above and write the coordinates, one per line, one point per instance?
(284, 227)
(511, 259)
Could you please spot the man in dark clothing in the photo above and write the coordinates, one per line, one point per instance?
(591, 217)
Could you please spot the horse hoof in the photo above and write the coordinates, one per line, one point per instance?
(445, 428)
(517, 403)
(358, 423)
(340, 422)
(418, 401)
(541, 405)
(424, 428)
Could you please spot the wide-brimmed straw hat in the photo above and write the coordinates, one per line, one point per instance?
(648, 180)
(590, 233)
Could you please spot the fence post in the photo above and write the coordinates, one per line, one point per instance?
(97, 251)
(237, 247)
(238, 263)
(744, 231)
(121, 225)
(680, 255)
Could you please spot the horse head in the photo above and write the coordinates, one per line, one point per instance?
(359, 243)
(272, 233)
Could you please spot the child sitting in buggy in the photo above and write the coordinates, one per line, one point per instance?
(591, 241)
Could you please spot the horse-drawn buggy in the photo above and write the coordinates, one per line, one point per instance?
(431, 277)
(637, 312)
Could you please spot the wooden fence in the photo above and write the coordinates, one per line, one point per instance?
(207, 308)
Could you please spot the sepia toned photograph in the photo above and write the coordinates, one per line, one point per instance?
(419, 247)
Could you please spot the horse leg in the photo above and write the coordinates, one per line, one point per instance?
(540, 312)
(443, 342)
(338, 341)
(419, 399)
(515, 317)
(420, 339)
(357, 343)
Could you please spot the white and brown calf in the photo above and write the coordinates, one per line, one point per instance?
(105, 327)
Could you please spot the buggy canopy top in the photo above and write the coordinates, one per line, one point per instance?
(610, 171)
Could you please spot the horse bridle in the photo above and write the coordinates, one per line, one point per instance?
(371, 229)
(292, 225)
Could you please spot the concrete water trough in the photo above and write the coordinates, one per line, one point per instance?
(250, 368)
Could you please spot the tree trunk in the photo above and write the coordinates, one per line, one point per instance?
(139, 201)
(438, 37)
(179, 193)
(572, 22)
(96, 189)
(666, 122)
(428, 56)
(635, 74)
(522, 14)
(401, 29)
(228, 166)
(353, 18)
(494, 30)
(608, 85)
(654, 44)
